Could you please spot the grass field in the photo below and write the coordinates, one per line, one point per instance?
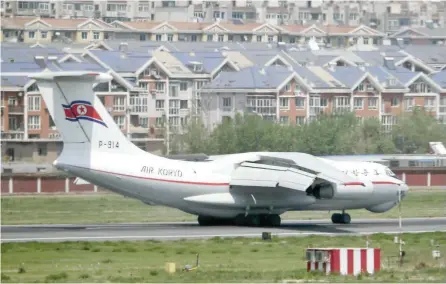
(111, 208)
(221, 260)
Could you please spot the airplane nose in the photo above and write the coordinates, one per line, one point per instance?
(404, 189)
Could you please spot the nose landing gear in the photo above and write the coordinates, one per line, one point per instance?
(341, 218)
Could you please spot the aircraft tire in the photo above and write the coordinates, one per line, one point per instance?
(205, 220)
(338, 218)
(346, 219)
(274, 220)
(240, 220)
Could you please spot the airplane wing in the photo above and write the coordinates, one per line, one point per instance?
(269, 175)
(290, 170)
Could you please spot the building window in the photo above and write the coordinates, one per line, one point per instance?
(420, 87)
(395, 102)
(300, 120)
(373, 103)
(270, 38)
(170, 38)
(284, 103)
(221, 37)
(144, 122)
(159, 121)
(324, 102)
(34, 122)
(159, 105)
(183, 104)
(119, 104)
(259, 38)
(84, 35)
(366, 40)
(300, 103)
(42, 150)
(158, 37)
(342, 104)
(408, 103)
(119, 120)
(159, 86)
(210, 37)
(429, 103)
(358, 103)
(95, 35)
(34, 103)
(284, 119)
(288, 87)
(227, 104)
(31, 35)
(43, 35)
(183, 86)
(139, 104)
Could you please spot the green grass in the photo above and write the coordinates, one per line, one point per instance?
(221, 260)
(111, 208)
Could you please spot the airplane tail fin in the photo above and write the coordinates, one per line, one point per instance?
(82, 120)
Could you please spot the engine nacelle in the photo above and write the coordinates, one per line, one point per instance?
(350, 191)
(324, 191)
(381, 208)
(356, 191)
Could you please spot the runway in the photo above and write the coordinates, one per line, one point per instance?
(191, 230)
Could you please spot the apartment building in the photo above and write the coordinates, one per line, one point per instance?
(42, 30)
(158, 87)
(151, 97)
(385, 16)
(299, 94)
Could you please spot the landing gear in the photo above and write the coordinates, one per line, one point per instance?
(266, 220)
(272, 220)
(341, 218)
(211, 221)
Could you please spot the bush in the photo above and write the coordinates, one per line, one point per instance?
(56, 277)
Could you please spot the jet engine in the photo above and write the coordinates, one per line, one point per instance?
(323, 191)
(340, 191)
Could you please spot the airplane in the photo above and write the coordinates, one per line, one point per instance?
(242, 189)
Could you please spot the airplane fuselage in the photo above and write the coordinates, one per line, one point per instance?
(170, 182)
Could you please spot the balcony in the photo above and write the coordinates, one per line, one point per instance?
(9, 135)
(138, 129)
(17, 129)
(16, 109)
(184, 112)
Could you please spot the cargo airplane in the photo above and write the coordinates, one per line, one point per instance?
(251, 189)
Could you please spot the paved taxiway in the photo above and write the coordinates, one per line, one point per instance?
(188, 230)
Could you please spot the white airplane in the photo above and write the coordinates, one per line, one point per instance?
(242, 189)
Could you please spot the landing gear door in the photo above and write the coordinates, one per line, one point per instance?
(296, 179)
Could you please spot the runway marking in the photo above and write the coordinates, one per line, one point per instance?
(211, 236)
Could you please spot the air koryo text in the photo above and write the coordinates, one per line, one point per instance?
(162, 171)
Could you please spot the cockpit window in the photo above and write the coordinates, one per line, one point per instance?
(390, 173)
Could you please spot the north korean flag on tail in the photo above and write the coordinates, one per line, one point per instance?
(82, 110)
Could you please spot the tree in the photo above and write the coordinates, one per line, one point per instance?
(415, 130)
(330, 134)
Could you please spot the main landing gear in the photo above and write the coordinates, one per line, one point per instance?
(264, 220)
(341, 218)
